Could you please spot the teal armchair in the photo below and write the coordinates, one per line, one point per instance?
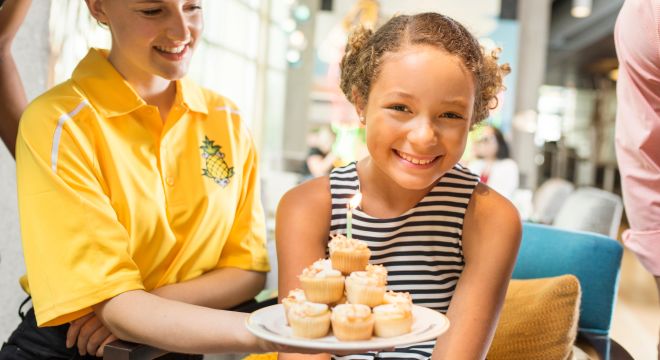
(594, 259)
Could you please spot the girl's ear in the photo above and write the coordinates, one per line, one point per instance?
(96, 9)
(359, 104)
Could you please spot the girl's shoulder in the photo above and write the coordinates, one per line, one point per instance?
(308, 203)
(488, 202)
(312, 192)
(489, 212)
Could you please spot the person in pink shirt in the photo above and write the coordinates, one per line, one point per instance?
(637, 39)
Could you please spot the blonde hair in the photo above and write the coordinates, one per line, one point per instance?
(363, 57)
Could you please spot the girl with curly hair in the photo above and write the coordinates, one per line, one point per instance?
(418, 84)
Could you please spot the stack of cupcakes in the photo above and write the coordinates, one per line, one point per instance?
(341, 292)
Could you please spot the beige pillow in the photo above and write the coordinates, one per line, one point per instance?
(538, 320)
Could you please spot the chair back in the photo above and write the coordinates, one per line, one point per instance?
(594, 259)
(548, 199)
(591, 209)
(274, 184)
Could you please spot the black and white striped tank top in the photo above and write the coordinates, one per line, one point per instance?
(421, 249)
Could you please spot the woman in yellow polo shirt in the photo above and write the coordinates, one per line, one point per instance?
(139, 200)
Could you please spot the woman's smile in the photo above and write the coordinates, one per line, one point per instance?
(173, 53)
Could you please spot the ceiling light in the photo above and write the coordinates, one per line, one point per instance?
(581, 8)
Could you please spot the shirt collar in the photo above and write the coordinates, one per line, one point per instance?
(191, 95)
(111, 95)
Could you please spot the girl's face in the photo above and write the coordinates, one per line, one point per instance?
(151, 37)
(418, 115)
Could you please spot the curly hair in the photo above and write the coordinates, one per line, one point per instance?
(363, 57)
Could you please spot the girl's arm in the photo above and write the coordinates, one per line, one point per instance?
(301, 233)
(11, 88)
(491, 237)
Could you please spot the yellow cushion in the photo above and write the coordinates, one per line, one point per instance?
(538, 320)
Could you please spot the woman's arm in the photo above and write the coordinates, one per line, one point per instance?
(301, 233)
(175, 326)
(219, 289)
(90, 335)
(491, 237)
(12, 93)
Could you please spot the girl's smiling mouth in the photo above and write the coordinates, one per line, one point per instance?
(416, 160)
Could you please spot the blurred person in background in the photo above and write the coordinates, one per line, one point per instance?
(493, 163)
(320, 158)
(637, 39)
(14, 100)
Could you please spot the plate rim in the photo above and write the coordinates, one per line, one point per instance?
(374, 343)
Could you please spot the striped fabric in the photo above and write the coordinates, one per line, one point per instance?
(421, 248)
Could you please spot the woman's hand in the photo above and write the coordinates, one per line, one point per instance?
(268, 346)
(89, 334)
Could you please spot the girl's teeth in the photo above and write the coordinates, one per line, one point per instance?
(413, 160)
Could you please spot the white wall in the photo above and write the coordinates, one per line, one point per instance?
(31, 54)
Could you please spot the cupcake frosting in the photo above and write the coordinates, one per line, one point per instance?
(391, 310)
(341, 242)
(321, 269)
(296, 295)
(306, 308)
(378, 271)
(392, 297)
(351, 312)
(365, 278)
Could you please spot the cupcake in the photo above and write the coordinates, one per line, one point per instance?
(392, 320)
(309, 320)
(295, 297)
(379, 271)
(403, 298)
(365, 288)
(348, 255)
(351, 322)
(321, 283)
(343, 300)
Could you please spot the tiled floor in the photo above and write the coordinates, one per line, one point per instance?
(637, 312)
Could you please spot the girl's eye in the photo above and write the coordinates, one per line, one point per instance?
(399, 108)
(451, 115)
(195, 7)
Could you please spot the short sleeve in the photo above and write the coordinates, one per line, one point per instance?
(76, 251)
(246, 245)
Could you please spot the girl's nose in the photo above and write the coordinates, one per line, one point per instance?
(422, 133)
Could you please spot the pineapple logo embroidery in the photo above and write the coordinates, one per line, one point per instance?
(216, 166)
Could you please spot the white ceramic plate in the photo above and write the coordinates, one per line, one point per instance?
(269, 324)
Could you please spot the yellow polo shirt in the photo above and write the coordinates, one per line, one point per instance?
(112, 199)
